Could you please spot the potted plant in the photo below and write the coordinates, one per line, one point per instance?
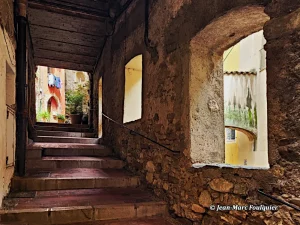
(43, 116)
(74, 99)
(60, 118)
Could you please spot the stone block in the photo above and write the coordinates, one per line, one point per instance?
(197, 208)
(149, 177)
(221, 185)
(30, 216)
(75, 183)
(205, 199)
(150, 167)
(113, 212)
(72, 214)
(151, 209)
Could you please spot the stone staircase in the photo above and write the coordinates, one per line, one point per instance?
(71, 179)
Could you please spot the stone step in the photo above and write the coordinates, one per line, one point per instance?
(65, 129)
(42, 124)
(73, 206)
(38, 149)
(53, 139)
(65, 162)
(65, 134)
(80, 178)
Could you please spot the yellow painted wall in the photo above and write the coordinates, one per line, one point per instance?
(231, 153)
(239, 152)
(7, 133)
(133, 90)
(246, 153)
(232, 58)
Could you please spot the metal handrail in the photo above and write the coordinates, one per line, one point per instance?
(133, 132)
(278, 200)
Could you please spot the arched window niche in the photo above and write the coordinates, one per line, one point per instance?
(133, 89)
(206, 90)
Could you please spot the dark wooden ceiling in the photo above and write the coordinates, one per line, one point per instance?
(68, 34)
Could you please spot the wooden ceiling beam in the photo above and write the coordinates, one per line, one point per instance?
(63, 64)
(66, 36)
(42, 53)
(94, 4)
(43, 17)
(65, 47)
(57, 7)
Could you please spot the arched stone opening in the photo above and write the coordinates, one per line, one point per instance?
(206, 80)
(80, 77)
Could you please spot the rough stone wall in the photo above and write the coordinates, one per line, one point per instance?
(190, 191)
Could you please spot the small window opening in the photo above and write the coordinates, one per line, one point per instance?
(133, 90)
(230, 135)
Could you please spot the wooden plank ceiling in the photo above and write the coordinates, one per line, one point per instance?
(68, 34)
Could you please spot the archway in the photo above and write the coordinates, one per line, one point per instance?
(52, 107)
(206, 80)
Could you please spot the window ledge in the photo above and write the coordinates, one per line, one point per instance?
(223, 165)
(132, 122)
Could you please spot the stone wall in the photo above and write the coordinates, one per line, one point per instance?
(7, 116)
(166, 111)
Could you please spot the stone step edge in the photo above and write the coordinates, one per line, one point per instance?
(65, 134)
(52, 163)
(80, 146)
(38, 153)
(64, 129)
(62, 137)
(60, 124)
(72, 214)
(24, 184)
(98, 159)
(61, 131)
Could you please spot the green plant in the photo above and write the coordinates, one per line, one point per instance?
(74, 101)
(61, 117)
(43, 116)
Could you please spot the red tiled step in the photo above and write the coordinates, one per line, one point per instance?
(66, 149)
(70, 206)
(58, 162)
(65, 134)
(79, 178)
(53, 139)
